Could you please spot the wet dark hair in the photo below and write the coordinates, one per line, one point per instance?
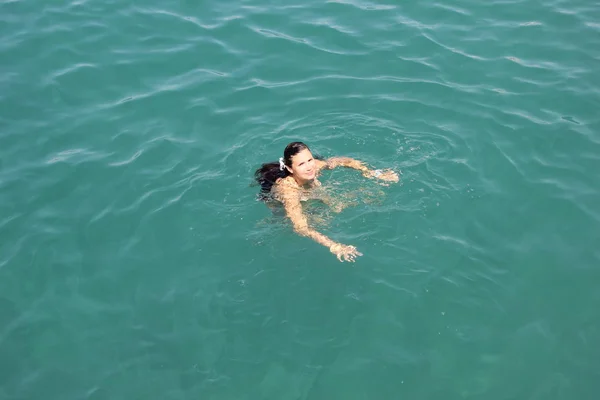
(268, 173)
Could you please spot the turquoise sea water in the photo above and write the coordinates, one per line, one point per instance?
(136, 263)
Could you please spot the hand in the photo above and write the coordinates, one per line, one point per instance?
(385, 175)
(345, 253)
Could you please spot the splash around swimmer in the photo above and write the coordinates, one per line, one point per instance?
(291, 180)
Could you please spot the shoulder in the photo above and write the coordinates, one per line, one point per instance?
(323, 164)
(285, 189)
(284, 183)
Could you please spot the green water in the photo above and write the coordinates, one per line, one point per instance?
(136, 263)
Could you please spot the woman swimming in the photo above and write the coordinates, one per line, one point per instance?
(294, 179)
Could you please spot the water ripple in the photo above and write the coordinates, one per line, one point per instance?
(364, 5)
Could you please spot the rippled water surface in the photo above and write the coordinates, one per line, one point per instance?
(136, 263)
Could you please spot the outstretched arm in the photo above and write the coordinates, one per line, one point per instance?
(386, 175)
(293, 208)
(347, 162)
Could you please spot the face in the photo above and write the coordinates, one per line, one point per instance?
(303, 166)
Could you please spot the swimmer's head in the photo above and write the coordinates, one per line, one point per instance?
(299, 161)
(291, 150)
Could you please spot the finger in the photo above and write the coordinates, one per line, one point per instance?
(339, 256)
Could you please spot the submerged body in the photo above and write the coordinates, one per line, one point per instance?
(298, 181)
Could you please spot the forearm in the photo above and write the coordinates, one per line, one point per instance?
(342, 252)
(316, 236)
(348, 163)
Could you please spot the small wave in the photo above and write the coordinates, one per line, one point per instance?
(364, 5)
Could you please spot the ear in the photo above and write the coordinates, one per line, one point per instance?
(289, 169)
